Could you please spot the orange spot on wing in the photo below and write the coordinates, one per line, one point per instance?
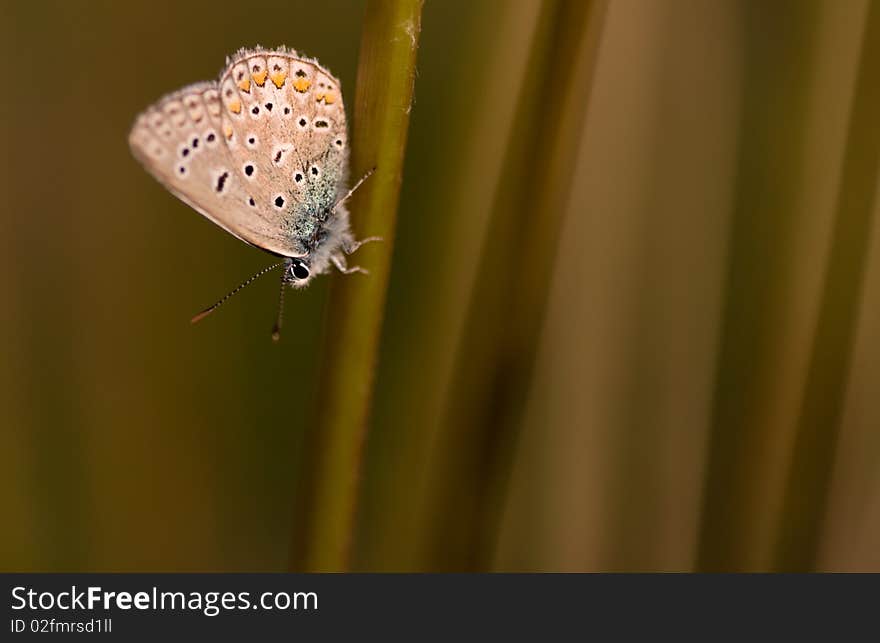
(245, 85)
(235, 106)
(302, 84)
(227, 131)
(260, 77)
(278, 78)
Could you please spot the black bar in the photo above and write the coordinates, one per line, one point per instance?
(416, 606)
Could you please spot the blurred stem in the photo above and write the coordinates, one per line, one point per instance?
(807, 489)
(497, 351)
(750, 435)
(327, 496)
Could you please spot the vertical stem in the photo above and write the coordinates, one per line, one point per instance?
(806, 496)
(325, 515)
(498, 347)
(749, 436)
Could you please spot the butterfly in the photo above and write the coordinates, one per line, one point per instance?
(263, 153)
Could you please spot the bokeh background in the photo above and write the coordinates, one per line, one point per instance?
(705, 386)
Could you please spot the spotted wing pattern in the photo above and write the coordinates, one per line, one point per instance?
(259, 152)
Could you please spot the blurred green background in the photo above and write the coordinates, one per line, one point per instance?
(704, 394)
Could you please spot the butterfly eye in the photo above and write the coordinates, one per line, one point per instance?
(299, 270)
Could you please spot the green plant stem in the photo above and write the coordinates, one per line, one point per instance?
(497, 351)
(809, 481)
(327, 496)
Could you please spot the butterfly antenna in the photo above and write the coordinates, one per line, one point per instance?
(211, 309)
(351, 191)
(276, 330)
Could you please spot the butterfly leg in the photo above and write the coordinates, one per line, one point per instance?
(342, 266)
(351, 246)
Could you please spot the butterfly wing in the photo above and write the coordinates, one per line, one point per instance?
(179, 140)
(257, 152)
(284, 125)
